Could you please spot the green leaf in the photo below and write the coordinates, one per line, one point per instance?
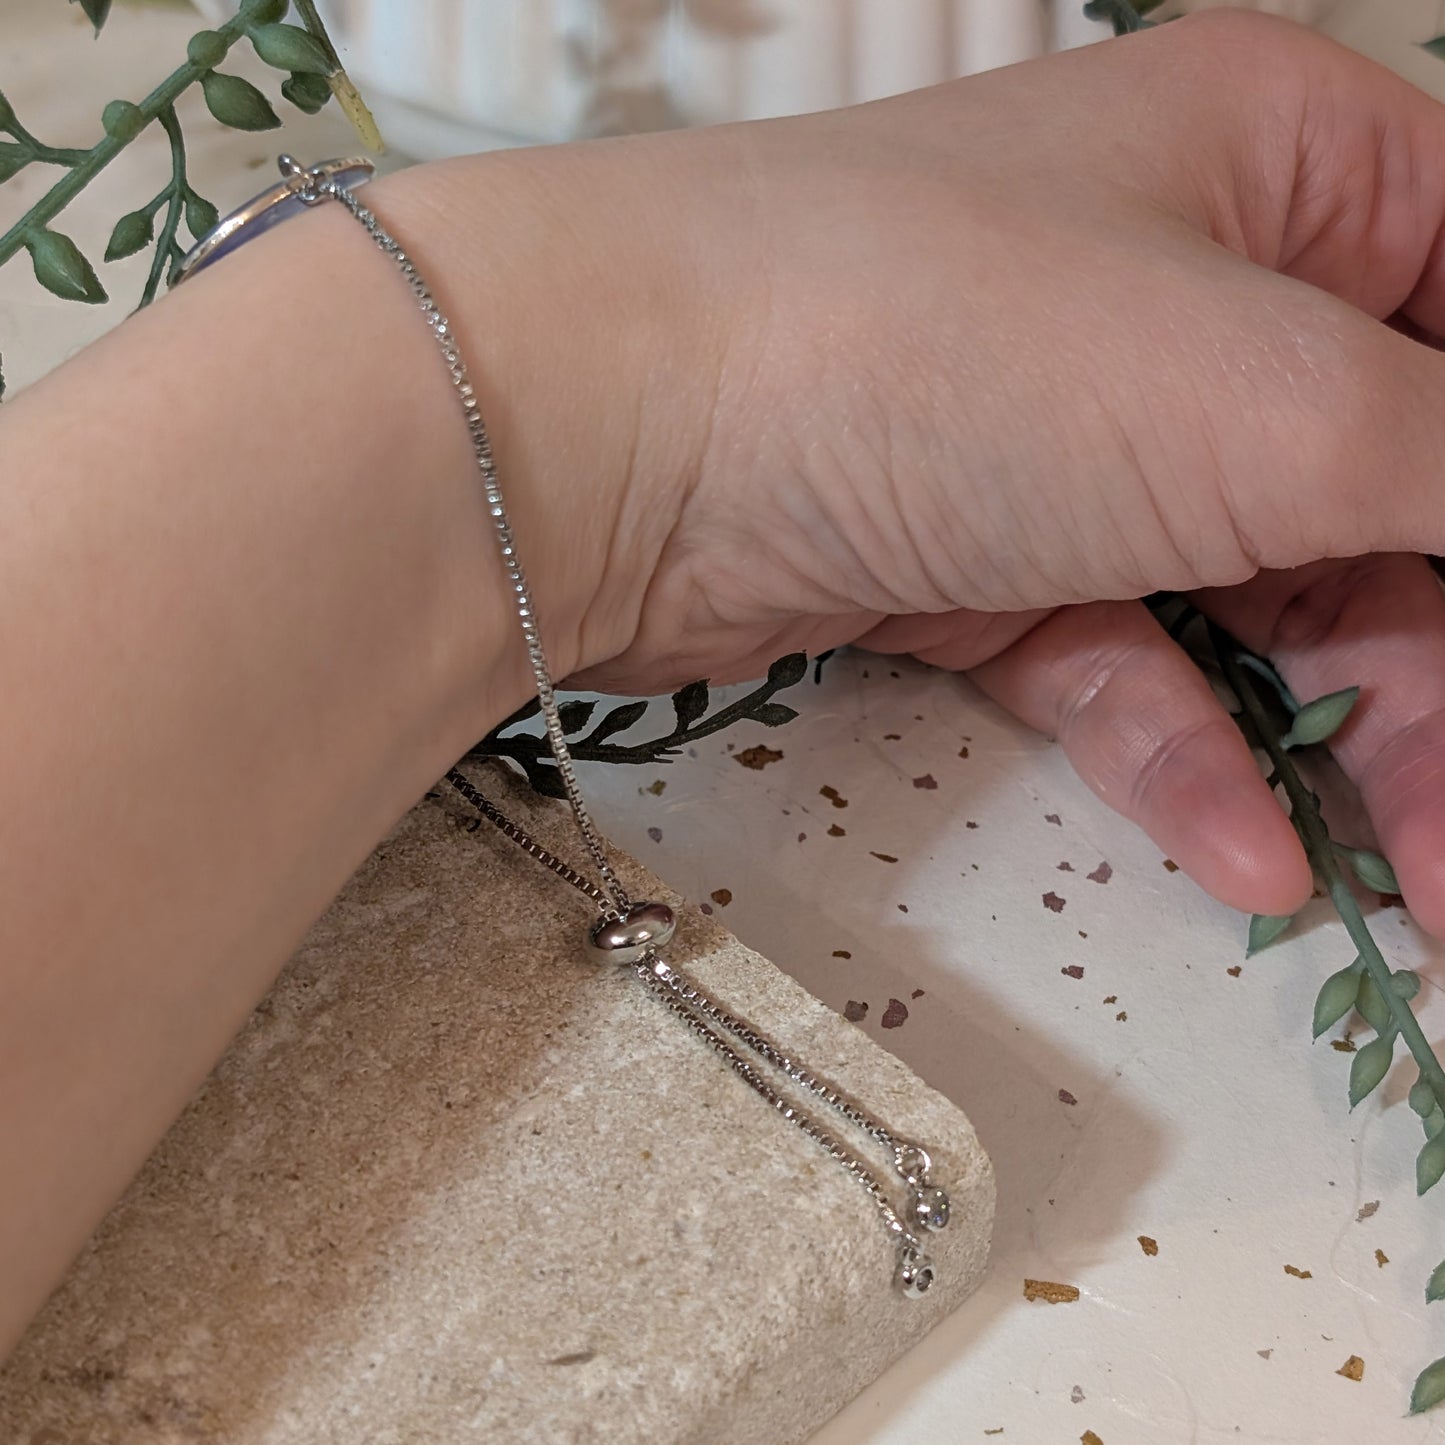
(1436, 47)
(206, 48)
(1430, 1164)
(1320, 719)
(1336, 997)
(1435, 1285)
(2, 385)
(307, 93)
(773, 714)
(62, 270)
(1405, 983)
(1264, 928)
(1429, 1388)
(788, 670)
(690, 703)
(201, 215)
(1371, 870)
(1371, 1004)
(122, 120)
(1422, 1098)
(289, 47)
(7, 114)
(13, 159)
(1434, 1122)
(618, 720)
(96, 11)
(134, 230)
(1369, 1065)
(573, 715)
(264, 12)
(237, 103)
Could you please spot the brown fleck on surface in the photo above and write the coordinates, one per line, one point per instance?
(999, 1431)
(1345, 1045)
(1101, 874)
(1367, 1211)
(1113, 998)
(963, 751)
(758, 757)
(580, 1357)
(656, 786)
(903, 908)
(892, 737)
(855, 1011)
(1089, 1438)
(1054, 819)
(926, 781)
(969, 823)
(834, 831)
(1053, 903)
(842, 953)
(883, 857)
(1381, 1259)
(831, 793)
(1066, 867)
(1352, 1369)
(1073, 970)
(1077, 1394)
(1298, 1273)
(917, 993)
(1054, 1294)
(655, 834)
(1234, 970)
(1170, 866)
(721, 896)
(1264, 1354)
(1149, 1246)
(895, 1014)
(1065, 1097)
(1121, 1017)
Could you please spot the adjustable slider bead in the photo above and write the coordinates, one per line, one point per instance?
(625, 940)
(915, 1274)
(929, 1208)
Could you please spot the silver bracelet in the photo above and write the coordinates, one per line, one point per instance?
(625, 933)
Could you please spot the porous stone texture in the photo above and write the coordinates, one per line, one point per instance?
(455, 1183)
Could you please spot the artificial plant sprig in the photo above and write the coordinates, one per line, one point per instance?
(1277, 725)
(314, 74)
(690, 722)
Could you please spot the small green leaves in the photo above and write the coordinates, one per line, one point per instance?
(573, 715)
(1429, 1388)
(1422, 1098)
(1320, 719)
(206, 48)
(1264, 928)
(201, 215)
(1336, 997)
(289, 47)
(237, 103)
(96, 11)
(1372, 1005)
(788, 670)
(773, 714)
(690, 703)
(1405, 983)
(1371, 869)
(618, 720)
(62, 270)
(263, 12)
(1369, 1065)
(1435, 47)
(308, 93)
(134, 230)
(1430, 1164)
(13, 158)
(123, 120)
(1435, 1285)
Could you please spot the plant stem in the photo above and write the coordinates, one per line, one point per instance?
(176, 199)
(100, 155)
(1310, 825)
(306, 10)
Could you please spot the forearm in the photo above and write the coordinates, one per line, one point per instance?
(250, 609)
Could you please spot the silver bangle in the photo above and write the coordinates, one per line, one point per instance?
(270, 207)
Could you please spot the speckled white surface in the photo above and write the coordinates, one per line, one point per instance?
(1204, 1119)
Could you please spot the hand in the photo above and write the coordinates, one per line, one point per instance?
(960, 374)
